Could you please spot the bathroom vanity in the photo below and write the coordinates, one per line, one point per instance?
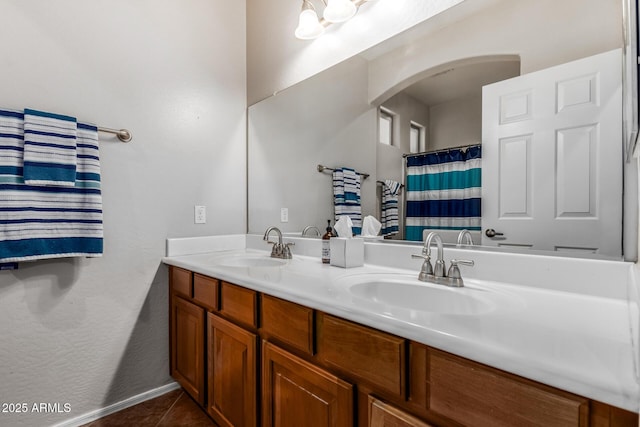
(261, 341)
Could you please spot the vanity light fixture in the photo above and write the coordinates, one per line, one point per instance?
(339, 11)
(335, 11)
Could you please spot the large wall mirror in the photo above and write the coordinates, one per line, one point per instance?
(503, 78)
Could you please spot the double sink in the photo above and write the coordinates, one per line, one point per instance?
(392, 290)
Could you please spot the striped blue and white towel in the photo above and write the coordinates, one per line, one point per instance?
(49, 149)
(389, 217)
(39, 222)
(346, 196)
(11, 143)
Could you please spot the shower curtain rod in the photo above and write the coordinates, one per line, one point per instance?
(323, 168)
(123, 134)
(459, 147)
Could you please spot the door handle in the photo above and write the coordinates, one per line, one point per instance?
(490, 232)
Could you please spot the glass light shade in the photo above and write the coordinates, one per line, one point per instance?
(308, 25)
(339, 10)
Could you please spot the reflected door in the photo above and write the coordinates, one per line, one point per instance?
(552, 158)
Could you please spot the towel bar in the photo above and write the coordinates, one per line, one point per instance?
(123, 134)
(323, 168)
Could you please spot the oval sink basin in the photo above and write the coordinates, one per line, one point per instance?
(245, 261)
(409, 293)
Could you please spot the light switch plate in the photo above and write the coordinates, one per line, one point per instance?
(284, 214)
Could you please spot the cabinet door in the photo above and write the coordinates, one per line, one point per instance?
(232, 397)
(383, 415)
(187, 348)
(296, 393)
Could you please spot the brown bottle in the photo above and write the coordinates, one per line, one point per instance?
(326, 248)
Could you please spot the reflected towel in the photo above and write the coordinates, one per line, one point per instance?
(49, 149)
(346, 196)
(389, 217)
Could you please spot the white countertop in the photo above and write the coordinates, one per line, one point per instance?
(578, 342)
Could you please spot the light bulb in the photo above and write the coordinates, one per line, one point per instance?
(309, 26)
(339, 10)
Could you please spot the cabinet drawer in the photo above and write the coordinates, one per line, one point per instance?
(288, 322)
(375, 357)
(205, 291)
(181, 281)
(476, 395)
(239, 304)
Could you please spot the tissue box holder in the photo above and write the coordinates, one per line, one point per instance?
(347, 252)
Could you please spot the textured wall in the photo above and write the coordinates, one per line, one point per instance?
(91, 332)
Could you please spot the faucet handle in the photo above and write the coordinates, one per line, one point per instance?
(286, 250)
(454, 271)
(425, 257)
(427, 268)
(275, 250)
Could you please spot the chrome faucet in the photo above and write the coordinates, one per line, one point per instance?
(438, 270)
(437, 275)
(279, 250)
(464, 238)
(309, 228)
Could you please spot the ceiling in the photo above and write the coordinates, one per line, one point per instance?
(462, 81)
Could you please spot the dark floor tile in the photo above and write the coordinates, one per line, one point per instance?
(145, 414)
(186, 413)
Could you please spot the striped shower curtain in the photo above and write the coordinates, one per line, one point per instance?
(443, 191)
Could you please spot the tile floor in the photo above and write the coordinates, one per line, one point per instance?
(173, 409)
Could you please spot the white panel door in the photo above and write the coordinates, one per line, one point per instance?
(552, 158)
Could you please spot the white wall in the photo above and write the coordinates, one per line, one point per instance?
(324, 120)
(564, 32)
(277, 60)
(454, 123)
(91, 332)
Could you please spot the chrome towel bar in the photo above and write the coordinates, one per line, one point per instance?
(323, 168)
(123, 134)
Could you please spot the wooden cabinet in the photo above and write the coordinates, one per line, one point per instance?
(239, 304)
(381, 414)
(297, 393)
(287, 322)
(180, 281)
(205, 291)
(476, 395)
(252, 359)
(374, 357)
(232, 399)
(187, 348)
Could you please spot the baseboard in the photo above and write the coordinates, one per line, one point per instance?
(118, 406)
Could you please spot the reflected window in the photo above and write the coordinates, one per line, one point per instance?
(417, 141)
(386, 123)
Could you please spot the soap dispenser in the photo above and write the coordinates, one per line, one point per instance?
(326, 248)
